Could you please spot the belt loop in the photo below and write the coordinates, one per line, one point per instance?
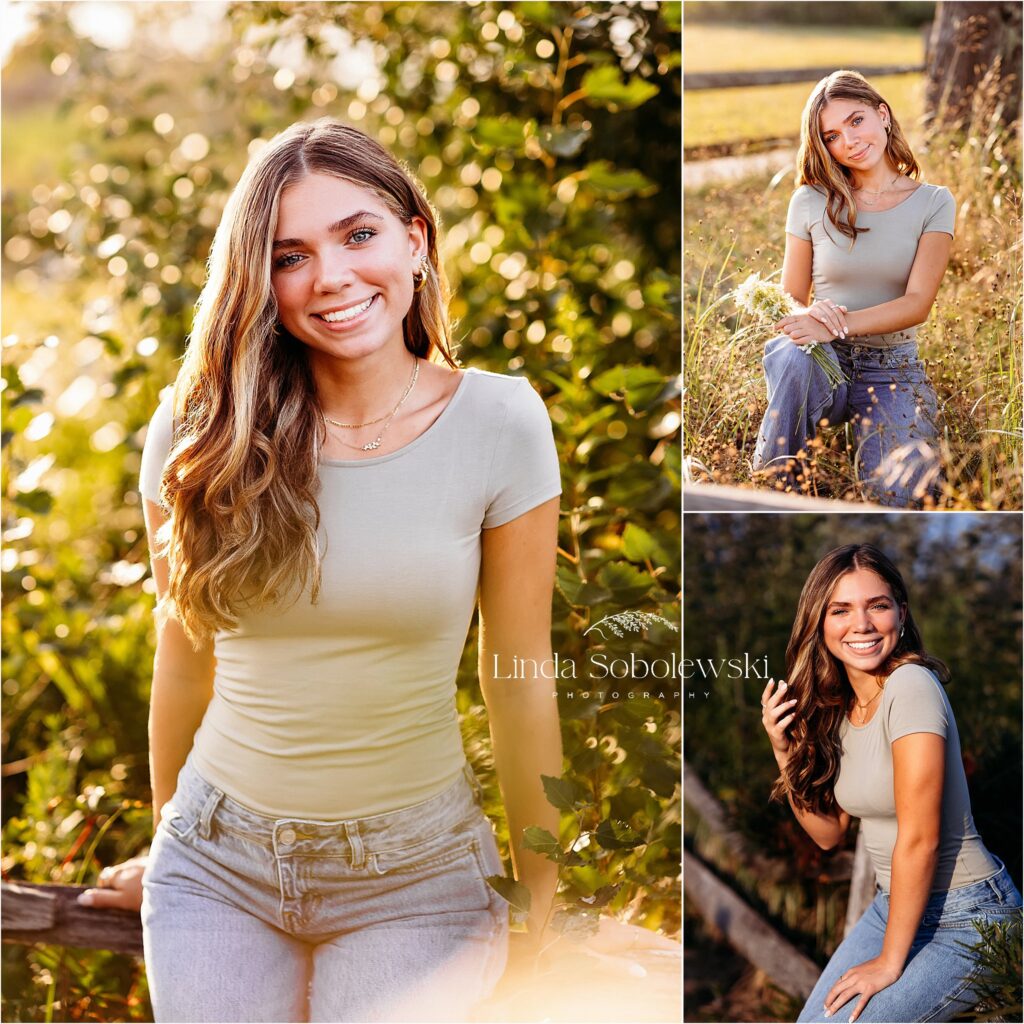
(995, 888)
(478, 790)
(209, 807)
(358, 855)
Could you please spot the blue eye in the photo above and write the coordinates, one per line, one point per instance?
(362, 235)
(285, 261)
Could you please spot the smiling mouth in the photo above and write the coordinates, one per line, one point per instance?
(863, 646)
(340, 316)
(863, 153)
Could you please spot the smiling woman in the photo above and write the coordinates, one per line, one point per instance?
(328, 499)
(863, 728)
(871, 241)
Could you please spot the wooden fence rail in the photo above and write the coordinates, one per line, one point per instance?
(696, 80)
(31, 913)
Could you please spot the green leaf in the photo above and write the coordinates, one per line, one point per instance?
(601, 898)
(576, 923)
(637, 383)
(672, 15)
(561, 793)
(579, 592)
(660, 776)
(541, 841)
(613, 834)
(514, 893)
(537, 11)
(503, 132)
(38, 501)
(606, 179)
(605, 88)
(561, 141)
(640, 546)
(627, 583)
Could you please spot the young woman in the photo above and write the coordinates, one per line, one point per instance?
(327, 498)
(872, 242)
(863, 728)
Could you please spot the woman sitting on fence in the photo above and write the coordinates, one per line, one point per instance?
(873, 243)
(863, 728)
(326, 501)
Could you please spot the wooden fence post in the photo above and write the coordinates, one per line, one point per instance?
(862, 884)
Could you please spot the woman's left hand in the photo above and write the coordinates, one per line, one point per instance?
(802, 328)
(866, 979)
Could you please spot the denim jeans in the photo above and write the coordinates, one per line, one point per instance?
(937, 982)
(388, 917)
(888, 399)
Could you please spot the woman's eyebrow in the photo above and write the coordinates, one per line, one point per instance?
(338, 225)
(825, 131)
(870, 600)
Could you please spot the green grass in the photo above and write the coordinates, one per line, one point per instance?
(731, 115)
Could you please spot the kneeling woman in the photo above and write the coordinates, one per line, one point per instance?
(863, 728)
(873, 242)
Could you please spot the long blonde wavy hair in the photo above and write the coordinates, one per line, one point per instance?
(816, 166)
(818, 680)
(240, 484)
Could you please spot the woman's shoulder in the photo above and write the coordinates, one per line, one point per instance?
(159, 437)
(809, 194)
(912, 683)
(501, 393)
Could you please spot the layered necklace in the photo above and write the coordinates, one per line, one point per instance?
(387, 417)
(877, 194)
(864, 707)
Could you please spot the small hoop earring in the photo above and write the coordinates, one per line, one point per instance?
(902, 631)
(419, 280)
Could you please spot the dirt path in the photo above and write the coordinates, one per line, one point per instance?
(698, 173)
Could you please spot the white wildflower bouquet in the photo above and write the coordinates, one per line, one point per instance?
(768, 303)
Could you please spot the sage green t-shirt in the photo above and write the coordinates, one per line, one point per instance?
(346, 708)
(877, 267)
(913, 700)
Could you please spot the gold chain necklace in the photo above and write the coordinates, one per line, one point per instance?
(872, 192)
(376, 442)
(864, 707)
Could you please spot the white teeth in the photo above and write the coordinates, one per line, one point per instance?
(861, 645)
(347, 314)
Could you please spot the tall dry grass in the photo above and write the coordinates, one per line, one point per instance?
(971, 344)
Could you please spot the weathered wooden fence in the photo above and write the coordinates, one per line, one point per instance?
(696, 80)
(31, 913)
(720, 498)
(744, 928)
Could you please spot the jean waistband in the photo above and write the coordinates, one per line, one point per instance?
(890, 340)
(998, 884)
(199, 802)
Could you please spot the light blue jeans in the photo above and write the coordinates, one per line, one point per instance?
(937, 981)
(888, 399)
(384, 918)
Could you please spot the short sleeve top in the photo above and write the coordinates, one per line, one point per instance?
(877, 267)
(346, 708)
(913, 701)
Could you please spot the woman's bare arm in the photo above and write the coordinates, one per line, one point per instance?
(516, 583)
(181, 690)
(918, 764)
(778, 714)
(909, 310)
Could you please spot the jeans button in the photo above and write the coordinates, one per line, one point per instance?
(287, 837)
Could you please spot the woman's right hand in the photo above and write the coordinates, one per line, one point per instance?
(829, 313)
(119, 886)
(777, 715)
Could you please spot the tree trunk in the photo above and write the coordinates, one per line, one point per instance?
(974, 63)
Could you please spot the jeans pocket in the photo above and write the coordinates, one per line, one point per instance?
(437, 850)
(180, 823)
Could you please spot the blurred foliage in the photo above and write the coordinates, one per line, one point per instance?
(547, 136)
(887, 13)
(744, 574)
